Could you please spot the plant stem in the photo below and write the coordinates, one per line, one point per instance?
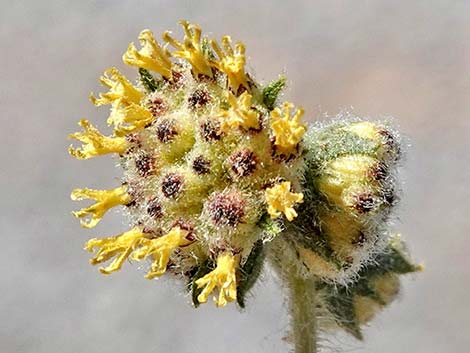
(302, 308)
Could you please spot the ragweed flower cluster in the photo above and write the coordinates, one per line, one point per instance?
(217, 174)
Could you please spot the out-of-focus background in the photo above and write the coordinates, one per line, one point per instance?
(409, 60)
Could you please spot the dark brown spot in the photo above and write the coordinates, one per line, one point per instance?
(227, 209)
(364, 202)
(166, 130)
(199, 98)
(201, 165)
(154, 208)
(210, 130)
(171, 185)
(145, 165)
(243, 162)
(157, 106)
(378, 172)
(360, 240)
(390, 196)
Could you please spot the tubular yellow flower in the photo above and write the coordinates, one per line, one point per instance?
(95, 143)
(120, 91)
(287, 132)
(120, 247)
(151, 57)
(190, 49)
(106, 199)
(223, 277)
(231, 62)
(160, 249)
(129, 119)
(240, 113)
(281, 200)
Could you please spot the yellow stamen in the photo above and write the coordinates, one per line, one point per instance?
(106, 199)
(231, 62)
(151, 57)
(240, 113)
(129, 119)
(120, 247)
(160, 249)
(120, 89)
(287, 132)
(190, 49)
(95, 143)
(281, 200)
(223, 277)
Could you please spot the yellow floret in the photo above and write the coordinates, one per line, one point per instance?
(160, 249)
(106, 199)
(223, 277)
(231, 63)
(129, 119)
(239, 113)
(190, 49)
(151, 57)
(120, 247)
(95, 143)
(287, 132)
(120, 89)
(281, 200)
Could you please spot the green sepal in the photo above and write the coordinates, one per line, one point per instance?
(250, 272)
(148, 81)
(271, 92)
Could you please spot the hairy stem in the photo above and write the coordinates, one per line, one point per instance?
(302, 309)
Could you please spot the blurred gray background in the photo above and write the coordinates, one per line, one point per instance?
(406, 59)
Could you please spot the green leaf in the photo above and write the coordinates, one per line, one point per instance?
(250, 272)
(148, 81)
(201, 271)
(271, 92)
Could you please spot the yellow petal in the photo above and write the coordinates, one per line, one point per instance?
(106, 199)
(281, 200)
(119, 247)
(160, 249)
(129, 119)
(287, 132)
(120, 89)
(95, 143)
(190, 49)
(223, 277)
(240, 113)
(231, 62)
(151, 57)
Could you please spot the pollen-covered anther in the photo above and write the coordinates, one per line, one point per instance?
(199, 98)
(121, 91)
(95, 143)
(151, 57)
(160, 250)
(223, 277)
(172, 185)
(240, 113)
(211, 130)
(157, 106)
(166, 130)
(227, 209)
(129, 119)
(280, 199)
(287, 132)
(201, 165)
(244, 162)
(191, 49)
(145, 164)
(105, 199)
(119, 247)
(231, 62)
